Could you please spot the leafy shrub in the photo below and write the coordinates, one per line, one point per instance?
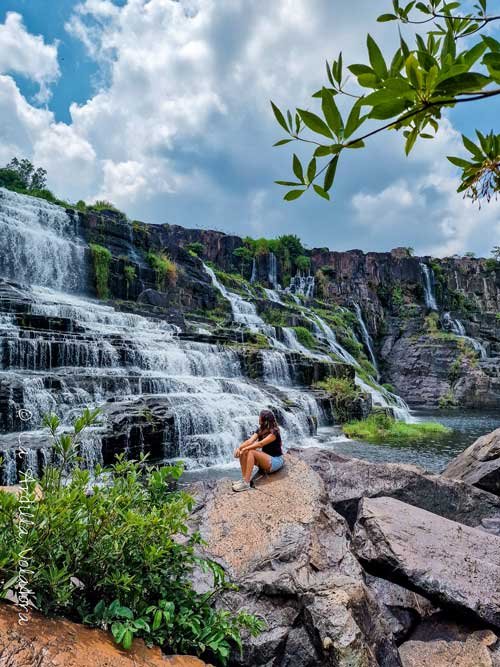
(303, 263)
(275, 317)
(165, 270)
(389, 387)
(130, 275)
(101, 258)
(305, 337)
(491, 264)
(344, 392)
(116, 553)
(195, 248)
(380, 427)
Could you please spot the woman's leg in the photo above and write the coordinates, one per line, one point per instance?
(253, 458)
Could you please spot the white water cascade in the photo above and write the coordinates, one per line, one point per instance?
(273, 271)
(61, 352)
(457, 327)
(429, 295)
(40, 243)
(367, 339)
(302, 284)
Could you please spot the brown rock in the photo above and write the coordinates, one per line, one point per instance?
(479, 464)
(58, 642)
(470, 653)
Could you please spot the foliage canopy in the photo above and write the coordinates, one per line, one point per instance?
(454, 62)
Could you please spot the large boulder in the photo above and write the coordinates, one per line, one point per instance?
(479, 464)
(349, 480)
(54, 642)
(454, 565)
(289, 554)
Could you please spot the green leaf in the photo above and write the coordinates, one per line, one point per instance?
(279, 117)
(458, 162)
(492, 62)
(376, 58)
(331, 113)
(356, 144)
(127, 640)
(322, 151)
(282, 142)
(388, 110)
(319, 190)
(315, 123)
(357, 70)
(468, 82)
(383, 18)
(354, 120)
(368, 80)
(293, 194)
(287, 183)
(330, 174)
(311, 170)
(297, 168)
(410, 140)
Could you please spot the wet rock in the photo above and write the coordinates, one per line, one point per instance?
(349, 480)
(454, 565)
(479, 464)
(289, 554)
(55, 642)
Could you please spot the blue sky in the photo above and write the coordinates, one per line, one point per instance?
(162, 108)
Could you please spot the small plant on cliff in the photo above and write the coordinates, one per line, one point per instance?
(380, 427)
(305, 337)
(165, 270)
(130, 275)
(115, 552)
(101, 258)
(343, 392)
(195, 248)
(245, 257)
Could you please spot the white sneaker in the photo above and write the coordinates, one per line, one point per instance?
(241, 486)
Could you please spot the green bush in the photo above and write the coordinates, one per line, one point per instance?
(101, 258)
(388, 387)
(116, 553)
(195, 248)
(380, 427)
(305, 337)
(344, 392)
(165, 270)
(275, 317)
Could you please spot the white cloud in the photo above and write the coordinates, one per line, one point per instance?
(27, 54)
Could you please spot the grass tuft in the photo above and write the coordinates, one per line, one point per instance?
(380, 427)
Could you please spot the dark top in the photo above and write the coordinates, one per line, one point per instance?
(274, 447)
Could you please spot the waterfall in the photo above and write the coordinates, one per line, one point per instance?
(273, 296)
(253, 277)
(367, 339)
(292, 342)
(428, 275)
(276, 369)
(40, 243)
(458, 329)
(273, 271)
(303, 285)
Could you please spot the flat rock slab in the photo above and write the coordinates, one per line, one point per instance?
(479, 464)
(56, 642)
(440, 653)
(450, 563)
(347, 480)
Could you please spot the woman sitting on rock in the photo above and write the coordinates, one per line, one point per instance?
(267, 439)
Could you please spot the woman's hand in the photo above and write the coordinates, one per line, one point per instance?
(237, 453)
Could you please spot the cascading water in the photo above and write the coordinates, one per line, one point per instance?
(273, 271)
(367, 339)
(253, 277)
(458, 329)
(429, 295)
(40, 243)
(87, 353)
(301, 284)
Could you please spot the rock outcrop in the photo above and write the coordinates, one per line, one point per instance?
(479, 464)
(58, 642)
(349, 480)
(289, 554)
(451, 563)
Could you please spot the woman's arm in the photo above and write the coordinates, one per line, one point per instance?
(259, 443)
(246, 445)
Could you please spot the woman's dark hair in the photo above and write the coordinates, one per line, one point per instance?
(267, 422)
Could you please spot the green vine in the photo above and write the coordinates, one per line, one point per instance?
(101, 258)
(164, 268)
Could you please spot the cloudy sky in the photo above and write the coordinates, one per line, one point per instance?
(162, 107)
